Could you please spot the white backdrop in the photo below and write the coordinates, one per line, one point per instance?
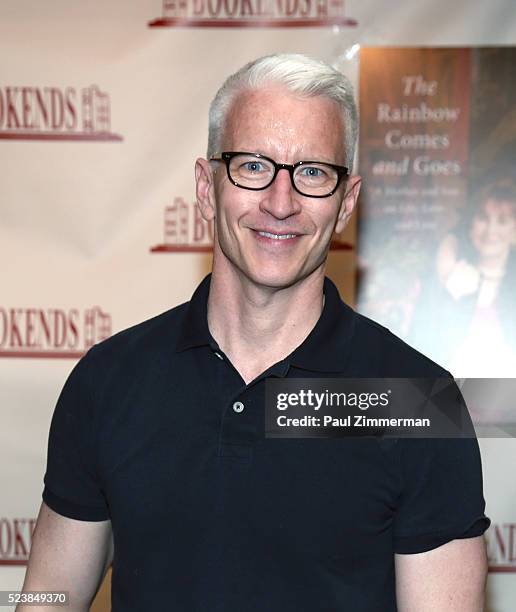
(101, 119)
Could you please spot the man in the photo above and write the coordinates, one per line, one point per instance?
(157, 455)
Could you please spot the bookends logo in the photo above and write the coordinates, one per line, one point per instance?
(52, 113)
(501, 547)
(15, 540)
(252, 13)
(52, 332)
(184, 230)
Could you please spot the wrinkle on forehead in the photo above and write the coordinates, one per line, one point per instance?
(285, 126)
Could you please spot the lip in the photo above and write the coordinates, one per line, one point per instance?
(289, 236)
(268, 230)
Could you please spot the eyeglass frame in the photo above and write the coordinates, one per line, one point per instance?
(227, 156)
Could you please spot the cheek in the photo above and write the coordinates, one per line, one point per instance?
(229, 205)
(322, 213)
(508, 230)
(477, 230)
(327, 221)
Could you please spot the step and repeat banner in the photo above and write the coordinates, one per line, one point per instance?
(103, 111)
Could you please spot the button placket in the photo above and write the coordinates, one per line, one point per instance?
(238, 428)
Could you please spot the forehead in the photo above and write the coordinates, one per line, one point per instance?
(493, 207)
(284, 125)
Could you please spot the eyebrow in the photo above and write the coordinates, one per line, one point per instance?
(320, 158)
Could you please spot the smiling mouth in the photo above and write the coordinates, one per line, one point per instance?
(276, 236)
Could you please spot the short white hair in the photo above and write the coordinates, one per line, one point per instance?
(299, 74)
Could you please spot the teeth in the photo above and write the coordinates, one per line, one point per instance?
(277, 236)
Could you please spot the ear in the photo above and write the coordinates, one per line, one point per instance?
(348, 202)
(204, 189)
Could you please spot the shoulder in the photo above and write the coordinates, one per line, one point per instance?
(376, 351)
(152, 340)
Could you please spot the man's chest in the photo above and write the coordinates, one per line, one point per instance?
(199, 462)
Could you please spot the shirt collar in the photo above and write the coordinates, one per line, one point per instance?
(194, 327)
(327, 346)
(325, 349)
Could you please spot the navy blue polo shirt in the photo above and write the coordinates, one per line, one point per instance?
(156, 431)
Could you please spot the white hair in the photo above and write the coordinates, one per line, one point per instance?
(299, 74)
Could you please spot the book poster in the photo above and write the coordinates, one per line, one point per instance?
(437, 223)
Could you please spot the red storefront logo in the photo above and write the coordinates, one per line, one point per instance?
(52, 332)
(53, 113)
(15, 540)
(184, 230)
(252, 13)
(501, 547)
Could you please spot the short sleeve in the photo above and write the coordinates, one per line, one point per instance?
(72, 486)
(441, 498)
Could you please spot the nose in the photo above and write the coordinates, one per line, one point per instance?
(280, 199)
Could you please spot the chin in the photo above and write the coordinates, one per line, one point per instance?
(493, 250)
(275, 276)
(274, 280)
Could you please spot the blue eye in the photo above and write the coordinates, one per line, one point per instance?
(253, 166)
(313, 172)
(246, 167)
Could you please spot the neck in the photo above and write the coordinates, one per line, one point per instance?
(257, 326)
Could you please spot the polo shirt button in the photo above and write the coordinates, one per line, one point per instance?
(238, 406)
(219, 355)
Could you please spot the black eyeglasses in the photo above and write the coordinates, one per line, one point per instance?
(255, 171)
